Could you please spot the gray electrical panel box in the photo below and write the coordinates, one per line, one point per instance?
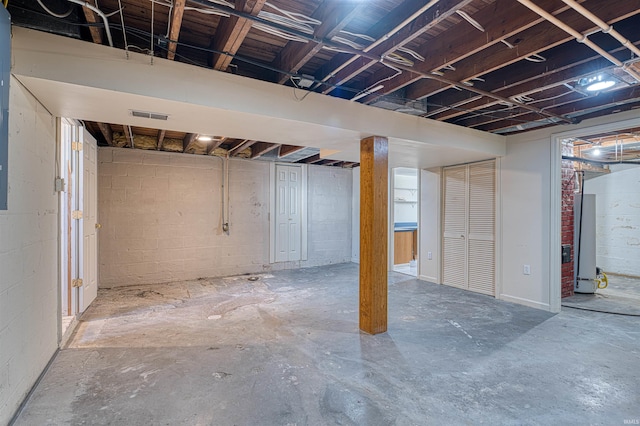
(566, 253)
(5, 68)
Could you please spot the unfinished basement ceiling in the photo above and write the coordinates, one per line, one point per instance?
(123, 136)
(493, 65)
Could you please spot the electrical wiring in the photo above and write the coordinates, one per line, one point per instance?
(49, 11)
(278, 33)
(293, 16)
(124, 32)
(469, 19)
(413, 53)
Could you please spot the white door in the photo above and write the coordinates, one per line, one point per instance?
(454, 242)
(288, 213)
(89, 202)
(469, 193)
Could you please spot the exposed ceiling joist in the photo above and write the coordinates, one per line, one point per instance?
(288, 150)
(334, 15)
(106, 131)
(262, 148)
(92, 20)
(177, 13)
(240, 146)
(232, 31)
(215, 144)
(128, 134)
(312, 159)
(188, 141)
(160, 138)
(424, 22)
(532, 41)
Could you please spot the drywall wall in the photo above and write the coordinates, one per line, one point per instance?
(161, 217)
(617, 219)
(429, 231)
(28, 251)
(526, 215)
(405, 196)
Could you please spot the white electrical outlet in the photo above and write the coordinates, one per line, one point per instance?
(526, 269)
(429, 255)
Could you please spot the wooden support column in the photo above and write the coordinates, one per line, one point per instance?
(373, 234)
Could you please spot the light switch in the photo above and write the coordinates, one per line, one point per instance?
(526, 269)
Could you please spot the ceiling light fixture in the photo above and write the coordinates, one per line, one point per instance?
(204, 138)
(596, 152)
(597, 83)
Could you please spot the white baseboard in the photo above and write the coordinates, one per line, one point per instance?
(525, 302)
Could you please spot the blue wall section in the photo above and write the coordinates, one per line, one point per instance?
(5, 66)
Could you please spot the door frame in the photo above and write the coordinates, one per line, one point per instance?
(555, 192)
(304, 171)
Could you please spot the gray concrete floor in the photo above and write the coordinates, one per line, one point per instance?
(286, 350)
(622, 296)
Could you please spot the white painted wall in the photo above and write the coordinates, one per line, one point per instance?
(355, 217)
(405, 188)
(28, 252)
(430, 232)
(526, 215)
(617, 219)
(161, 217)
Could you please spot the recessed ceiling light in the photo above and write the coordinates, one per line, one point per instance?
(597, 82)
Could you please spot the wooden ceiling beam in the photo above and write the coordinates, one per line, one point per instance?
(501, 19)
(262, 148)
(531, 41)
(423, 23)
(613, 99)
(174, 31)
(188, 141)
(334, 15)
(241, 146)
(160, 139)
(288, 150)
(215, 144)
(106, 131)
(394, 18)
(564, 66)
(231, 33)
(312, 159)
(92, 19)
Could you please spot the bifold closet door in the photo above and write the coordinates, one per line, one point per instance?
(482, 219)
(469, 195)
(455, 227)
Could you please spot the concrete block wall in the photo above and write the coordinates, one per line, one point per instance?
(161, 217)
(617, 219)
(28, 251)
(568, 186)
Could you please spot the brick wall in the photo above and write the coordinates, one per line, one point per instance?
(568, 185)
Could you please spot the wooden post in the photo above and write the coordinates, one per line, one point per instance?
(373, 234)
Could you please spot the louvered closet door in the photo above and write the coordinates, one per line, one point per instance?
(455, 227)
(481, 236)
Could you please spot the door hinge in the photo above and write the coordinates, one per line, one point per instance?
(76, 282)
(76, 146)
(76, 214)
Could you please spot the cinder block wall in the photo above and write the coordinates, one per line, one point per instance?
(28, 252)
(161, 217)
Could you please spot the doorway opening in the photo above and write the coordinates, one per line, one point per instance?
(600, 226)
(405, 220)
(77, 187)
